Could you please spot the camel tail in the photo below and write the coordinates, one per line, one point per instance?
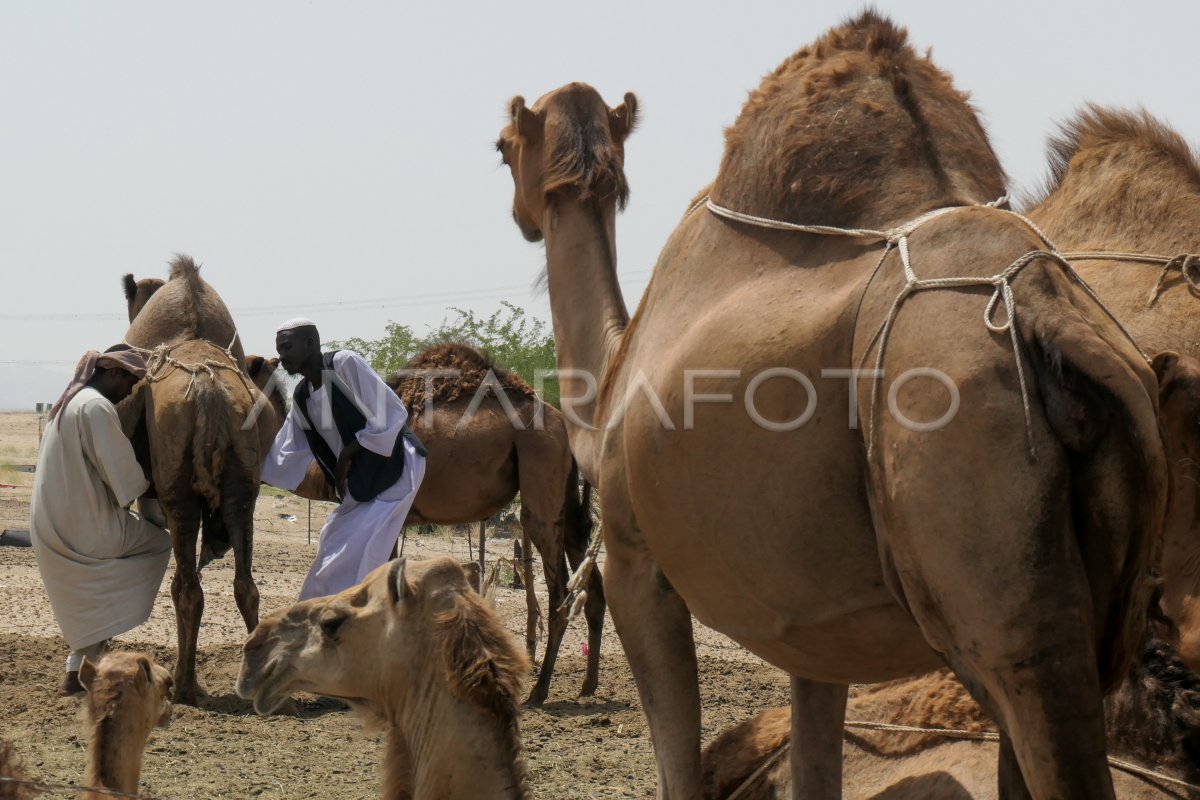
(211, 437)
(1099, 397)
(578, 512)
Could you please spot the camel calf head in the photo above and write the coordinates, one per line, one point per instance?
(410, 625)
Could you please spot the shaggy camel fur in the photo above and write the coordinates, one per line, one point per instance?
(204, 459)
(10, 768)
(489, 436)
(1125, 182)
(1152, 720)
(873, 552)
(128, 697)
(414, 649)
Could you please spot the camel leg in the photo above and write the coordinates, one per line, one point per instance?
(1012, 783)
(1020, 630)
(655, 629)
(237, 511)
(187, 595)
(818, 715)
(548, 540)
(532, 613)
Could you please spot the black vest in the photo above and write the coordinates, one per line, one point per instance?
(370, 473)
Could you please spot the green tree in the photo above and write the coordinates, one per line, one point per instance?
(513, 339)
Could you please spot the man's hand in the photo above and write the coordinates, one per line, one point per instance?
(343, 467)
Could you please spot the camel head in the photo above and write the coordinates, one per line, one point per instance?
(570, 143)
(408, 627)
(138, 293)
(261, 370)
(129, 688)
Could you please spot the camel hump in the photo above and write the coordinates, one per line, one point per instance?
(466, 369)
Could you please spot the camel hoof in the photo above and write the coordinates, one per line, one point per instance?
(589, 688)
(536, 697)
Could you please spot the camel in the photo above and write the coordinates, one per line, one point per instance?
(1125, 182)
(875, 549)
(1153, 721)
(475, 470)
(14, 783)
(128, 696)
(412, 648)
(204, 460)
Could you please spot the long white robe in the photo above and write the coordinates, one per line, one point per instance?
(101, 565)
(357, 537)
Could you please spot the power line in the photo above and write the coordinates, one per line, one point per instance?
(327, 306)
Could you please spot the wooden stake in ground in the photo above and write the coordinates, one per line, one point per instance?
(482, 553)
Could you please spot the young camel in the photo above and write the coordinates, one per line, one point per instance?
(414, 649)
(489, 437)
(1152, 720)
(128, 696)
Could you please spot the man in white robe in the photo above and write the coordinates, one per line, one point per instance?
(358, 430)
(101, 564)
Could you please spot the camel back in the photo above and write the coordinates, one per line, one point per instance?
(856, 126)
(185, 308)
(470, 369)
(1120, 180)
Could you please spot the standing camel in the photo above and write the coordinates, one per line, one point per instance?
(1013, 542)
(128, 697)
(1153, 720)
(490, 436)
(412, 648)
(1124, 185)
(204, 460)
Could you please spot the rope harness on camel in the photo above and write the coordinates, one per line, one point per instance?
(948, 733)
(160, 362)
(897, 239)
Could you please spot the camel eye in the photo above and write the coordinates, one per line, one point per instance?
(330, 626)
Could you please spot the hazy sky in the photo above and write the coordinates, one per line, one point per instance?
(336, 160)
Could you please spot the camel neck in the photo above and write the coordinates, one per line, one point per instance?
(114, 758)
(589, 311)
(441, 748)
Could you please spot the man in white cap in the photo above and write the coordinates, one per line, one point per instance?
(102, 565)
(353, 425)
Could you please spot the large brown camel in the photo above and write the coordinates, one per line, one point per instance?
(414, 649)
(490, 436)
(1153, 721)
(1014, 542)
(1125, 182)
(204, 459)
(128, 697)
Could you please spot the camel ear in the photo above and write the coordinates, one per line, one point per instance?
(399, 589)
(87, 673)
(473, 574)
(254, 365)
(144, 663)
(623, 118)
(525, 122)
(1164, 364)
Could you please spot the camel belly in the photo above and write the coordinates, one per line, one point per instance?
(754, 505)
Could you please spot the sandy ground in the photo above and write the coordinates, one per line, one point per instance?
(593, 748)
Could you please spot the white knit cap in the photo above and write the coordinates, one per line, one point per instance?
(296, 322)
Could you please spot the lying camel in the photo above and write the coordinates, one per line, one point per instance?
(14, 783)
(1152, 720)
(412, 648)
(128, 696)
(479, 459)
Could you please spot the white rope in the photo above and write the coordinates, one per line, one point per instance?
(576, 594)
(1188, 265)
(1001, 282)
(949, 733)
